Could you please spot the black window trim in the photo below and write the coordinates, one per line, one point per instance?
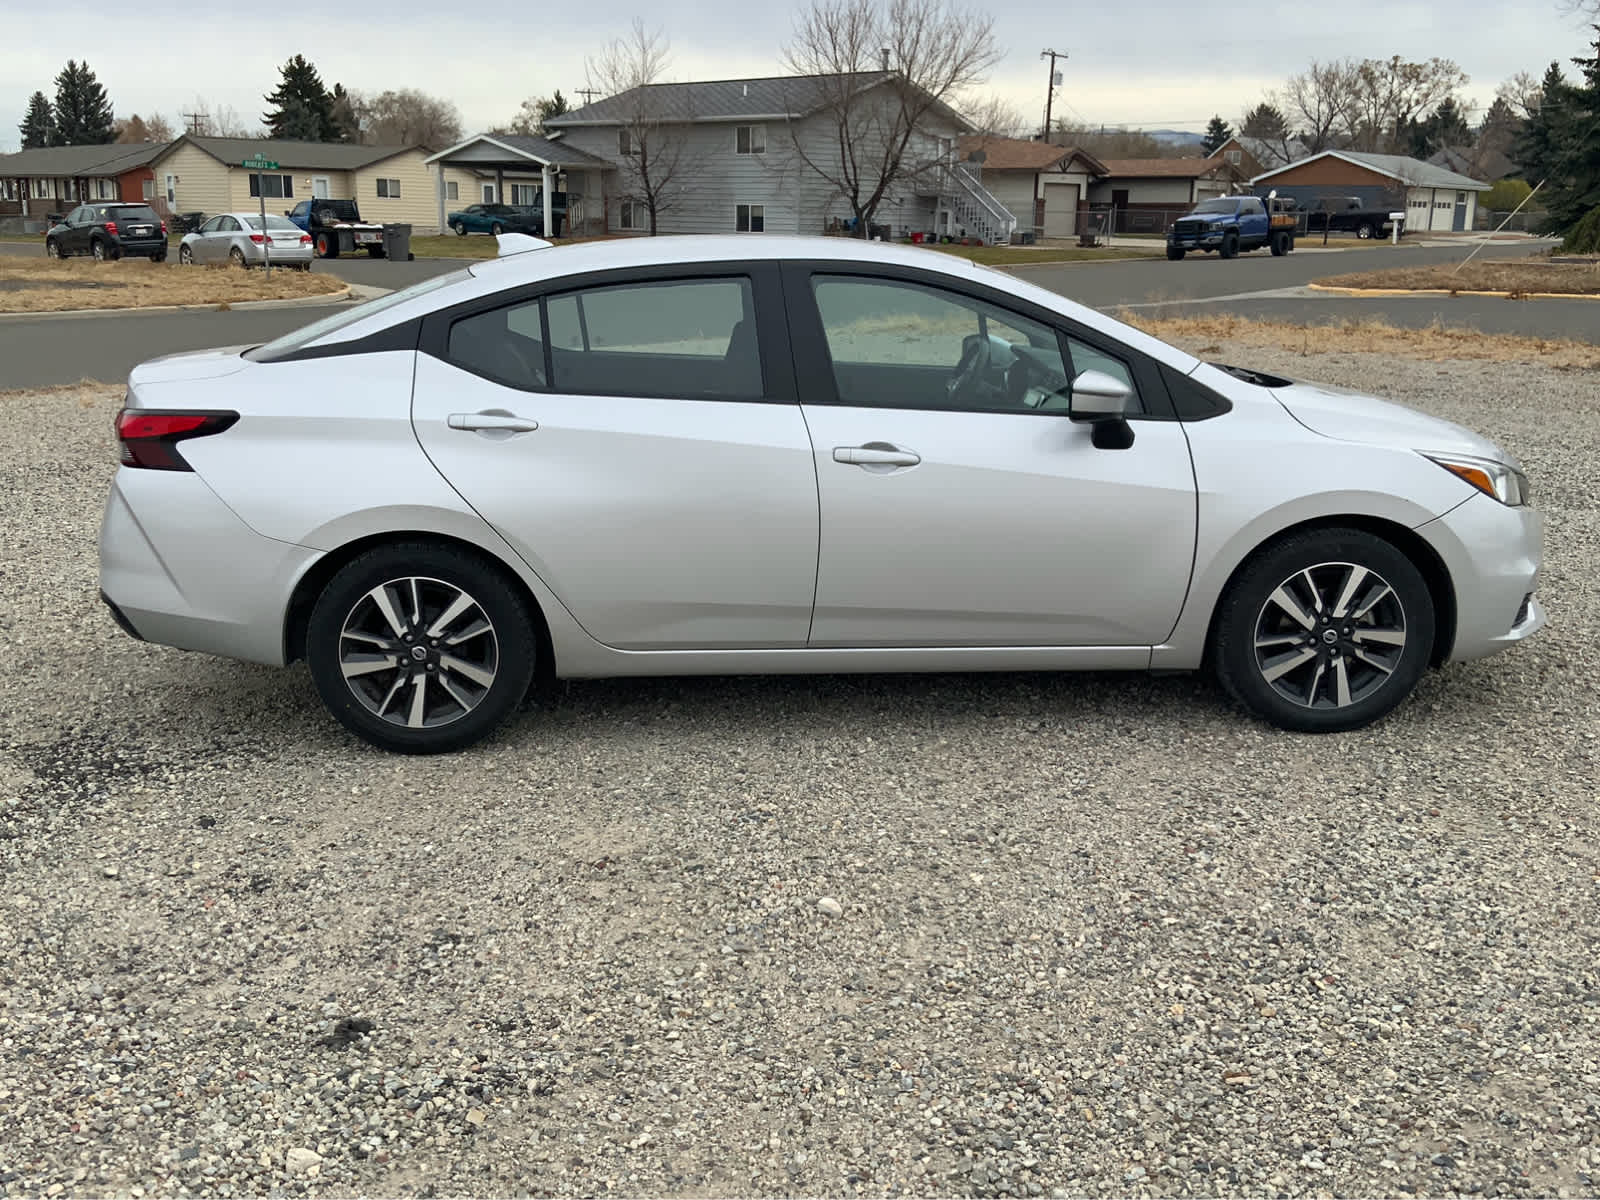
(813, 363)
(772, 334)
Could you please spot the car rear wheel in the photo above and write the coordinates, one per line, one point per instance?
(1230, 245)
(1174, 254)
(236, 257)
(1280, 244)
(1364, 231)
(100, 250)
(421, 648)
(326, 247)
(1324, 631)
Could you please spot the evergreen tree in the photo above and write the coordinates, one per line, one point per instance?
(82, 113)
(345, 109)
(1217, 133)
(302, 109)
(555, 106)
(1575, 177)
(1265, 121)
(1445, 126)
(38, 127)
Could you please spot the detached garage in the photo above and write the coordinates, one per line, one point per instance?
(1042, 185)
(1433, 198)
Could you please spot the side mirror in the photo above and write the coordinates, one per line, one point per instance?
(1096, 397)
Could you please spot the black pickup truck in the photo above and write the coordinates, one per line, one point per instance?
(1347, 214)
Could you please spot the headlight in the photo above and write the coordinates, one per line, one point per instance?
(1505, 483)
(1215, 226)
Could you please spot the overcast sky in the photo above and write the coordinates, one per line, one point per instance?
(1146, 64)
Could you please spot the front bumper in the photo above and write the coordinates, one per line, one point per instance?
(1493, 554)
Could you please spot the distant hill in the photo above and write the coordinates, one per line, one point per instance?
(1177, 137)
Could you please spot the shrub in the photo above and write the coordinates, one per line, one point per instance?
(1505, 195)
(1584, 237)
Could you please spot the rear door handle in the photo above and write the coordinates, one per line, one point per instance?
(502, 421)
(875, 454)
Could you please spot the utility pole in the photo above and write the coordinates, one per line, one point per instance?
(588, 94)
(1053, 83)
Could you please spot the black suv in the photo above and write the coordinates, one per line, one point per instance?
(109, 231)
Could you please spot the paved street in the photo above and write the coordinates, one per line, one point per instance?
(36, 352)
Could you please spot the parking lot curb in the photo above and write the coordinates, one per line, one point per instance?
(1349, 291)
(242, 306)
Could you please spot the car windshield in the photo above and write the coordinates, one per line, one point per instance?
(277, 224)
(318, 329)
(1216, 206)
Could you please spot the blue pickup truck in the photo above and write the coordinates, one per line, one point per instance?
(1229, 224)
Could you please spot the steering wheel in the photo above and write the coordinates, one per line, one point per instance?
(968, 373)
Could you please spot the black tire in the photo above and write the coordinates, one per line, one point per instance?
(326, 247)
(1230, 245)
(52, 248)
(497, 229)
(1364, 231)
(1280, 244)
(159, 256)
(1248, 614)
(236, 257)
(100, 250)
(508, 656)
(186, 256)
(1174, 254)
(461, 230)
(374, 251)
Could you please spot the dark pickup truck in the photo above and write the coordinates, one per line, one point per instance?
(1347, 214)
(336, 227)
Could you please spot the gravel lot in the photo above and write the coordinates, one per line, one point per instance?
(997, 935)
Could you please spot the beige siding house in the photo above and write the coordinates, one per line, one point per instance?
(389, 183)
(1042, 185)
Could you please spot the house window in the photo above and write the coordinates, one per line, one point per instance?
(1231, 156)
(148, 188)
(750, 139)
(750, 218)
(1461, 197)
(41, 188)
(102, 189)
(452, 190)
(624, 142)
(524, 193)
(273, 187)
(388, 189)
(488, 193)
(630, 214)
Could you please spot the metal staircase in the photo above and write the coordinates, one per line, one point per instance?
(974, 208)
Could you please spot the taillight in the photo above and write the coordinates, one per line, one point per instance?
(111, 228)
(149, 438)
(258, 238)
(305, 239)
(163, 229)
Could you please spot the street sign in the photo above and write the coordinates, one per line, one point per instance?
(263, 164)
(259, 164)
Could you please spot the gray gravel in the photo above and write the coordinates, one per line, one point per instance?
(1020, 935)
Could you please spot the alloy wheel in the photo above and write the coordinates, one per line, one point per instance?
(1330, 635)
(418, 652)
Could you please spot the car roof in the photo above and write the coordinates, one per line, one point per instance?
(581, 258)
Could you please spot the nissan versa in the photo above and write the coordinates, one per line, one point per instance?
(672, 456)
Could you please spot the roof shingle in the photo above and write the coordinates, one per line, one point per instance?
(105, 160)
(720, 99)
(1160, 168)
(299, 156)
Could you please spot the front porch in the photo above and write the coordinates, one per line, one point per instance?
(498, 167)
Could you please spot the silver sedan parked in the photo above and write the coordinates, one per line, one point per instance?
(672, 456)
(240, 239)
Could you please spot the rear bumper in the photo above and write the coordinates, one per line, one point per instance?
(177, 567)
(281, 255)
(134, 247)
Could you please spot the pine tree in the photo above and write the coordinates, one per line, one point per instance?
(1576, 181)
(302, 109)
(1217, 133)
(82, 112)
(38, 127)
(1537, 148)
(1265, 121)
(345, 111)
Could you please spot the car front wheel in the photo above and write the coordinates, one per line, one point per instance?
(52, 249)
(421, 648)
(461, 230)
(1324, 631)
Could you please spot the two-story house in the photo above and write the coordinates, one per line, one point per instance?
(763, 156)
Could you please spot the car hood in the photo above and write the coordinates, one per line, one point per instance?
(193, 364)
(1354, 417)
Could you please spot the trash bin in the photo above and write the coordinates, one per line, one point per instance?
(397, 242)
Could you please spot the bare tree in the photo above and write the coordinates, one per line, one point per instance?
(655, 161)
(153, 128)
(992, 116)
(534, 113)
(409, 118)
(1392, 93)
(223, 121)
(876, 73)
(1523, 92)
(1111, 143)
(1323, 99)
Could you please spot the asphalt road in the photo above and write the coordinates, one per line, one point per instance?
(36, 352)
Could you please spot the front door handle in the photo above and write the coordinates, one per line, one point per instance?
(500, 421)
(876, 454)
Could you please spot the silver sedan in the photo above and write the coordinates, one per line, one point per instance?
(240, 239)
(673, 456)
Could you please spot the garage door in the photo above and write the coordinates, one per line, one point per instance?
(1060, 210)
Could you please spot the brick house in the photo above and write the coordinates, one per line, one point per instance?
(52, 179)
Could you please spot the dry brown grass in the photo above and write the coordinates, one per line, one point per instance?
(1433, 343)
(44, 285)
(1511, 279)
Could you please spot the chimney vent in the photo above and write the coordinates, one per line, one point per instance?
(885, 53)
